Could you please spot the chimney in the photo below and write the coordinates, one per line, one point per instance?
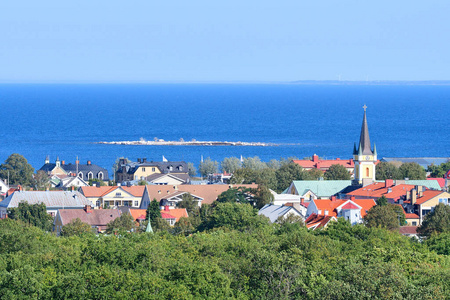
(338, 158)
(139, 160)
(88, 162)
(72, 188)
(88, 209)
(388, 182)
(144, 159)
(63, 162)
(413, 196)
(333, 198)
(302, 200)
(315, 158)
(352, 198)
(408, 195)
(166, 207)
(289, 204)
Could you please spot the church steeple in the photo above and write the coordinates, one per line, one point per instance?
(364, 139)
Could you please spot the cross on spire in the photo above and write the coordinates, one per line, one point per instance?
(365, 106)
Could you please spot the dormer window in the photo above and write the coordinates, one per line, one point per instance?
(170, 168)
(80, 175)
(180, 168)
(90, 175)
(326, 212)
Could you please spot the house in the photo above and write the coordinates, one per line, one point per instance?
(128, 171)
(3, 189)
(219, 178)
(114, 196)
(353, 210)
(409, 231)
(315, 221)
(418, 202)
(391, 189)
(168, 179)
(69, 182)
(204, 194)
(170, 215)
(309, 190)
(274, 212)
(85, 172)
(53, 200)
(96, 218)
(324, 164)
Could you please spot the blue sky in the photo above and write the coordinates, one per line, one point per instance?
(229, 41)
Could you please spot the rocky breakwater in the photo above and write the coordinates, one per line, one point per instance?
(188, 143)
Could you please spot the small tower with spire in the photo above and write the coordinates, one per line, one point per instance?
(364, 157)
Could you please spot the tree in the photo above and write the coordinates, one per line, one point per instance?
(438, 171)
(97, 182)
(288, 173)
(40, 181)
(387, 170)
(382, 216)
(230, 164)
(382, 201)
(76, 227)
(437, 221)
(188, 202)
(33, 214)
(234, 195)
(17, 169)
(142, 182)
(337, 172)
(253, 163)
(412, 171)
(208, 166)
(262, 196)
(183, 226)
(123, 223)
(153, 213)
(243, 175)
(313, 174)
(192, 170)
(235, 216)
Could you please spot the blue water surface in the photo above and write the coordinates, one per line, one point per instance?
(67, 120)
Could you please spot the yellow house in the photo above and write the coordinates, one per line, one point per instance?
(114, 196)
(427, 200)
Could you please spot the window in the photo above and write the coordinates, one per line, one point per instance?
(170, 168)
(319, 212)
(80, 175)
(367, 172)
(100, 175)
(97, 203)
(118, 194)
(443, 200)
(90, 175)
(326, 213)
(153, 169)
(180, 168)
(414, 223)
(136, 203)
(143, 169)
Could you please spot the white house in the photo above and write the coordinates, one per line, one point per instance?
(273, 212)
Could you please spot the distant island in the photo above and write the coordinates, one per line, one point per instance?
(373, 82)
(181, 142)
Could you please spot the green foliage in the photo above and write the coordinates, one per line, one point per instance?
(413, 171)
(153, 213)
(188, 202)
(98, 182)
(76, 227)
(208, 166)
(313, 174)
(262, 196)
(236, 216)
(387, 170)
(437, 221)
(233, 195)
(337, 172)
(382, 216)
(191, 169)
(288, 173)
(439, 243)
(19, 170)
(265, 262)
(32, 214)
(382, 201)
(439, 171)
(121, 224)
(40, 181)
(253, 163)
(142, 182)
(230, 164)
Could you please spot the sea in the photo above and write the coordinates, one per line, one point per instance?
(68, 120)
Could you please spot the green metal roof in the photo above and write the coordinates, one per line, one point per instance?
(322, 188)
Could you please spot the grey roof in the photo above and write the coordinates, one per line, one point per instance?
(51, 199)
(364, 140)
(72, 168)
(273, 212)
(423, 161)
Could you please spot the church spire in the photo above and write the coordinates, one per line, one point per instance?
(364, 140)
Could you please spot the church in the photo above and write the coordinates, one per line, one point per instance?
(364, 157)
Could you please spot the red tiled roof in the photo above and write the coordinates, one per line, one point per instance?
(177, 213)
(208, 192)
(440, 181)
(411, 216)
(317, 163)
(349, 205)
(427, 195)
(408, 230)
(379, 189)
(165, 215)
(317, 221)
(100, 191)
